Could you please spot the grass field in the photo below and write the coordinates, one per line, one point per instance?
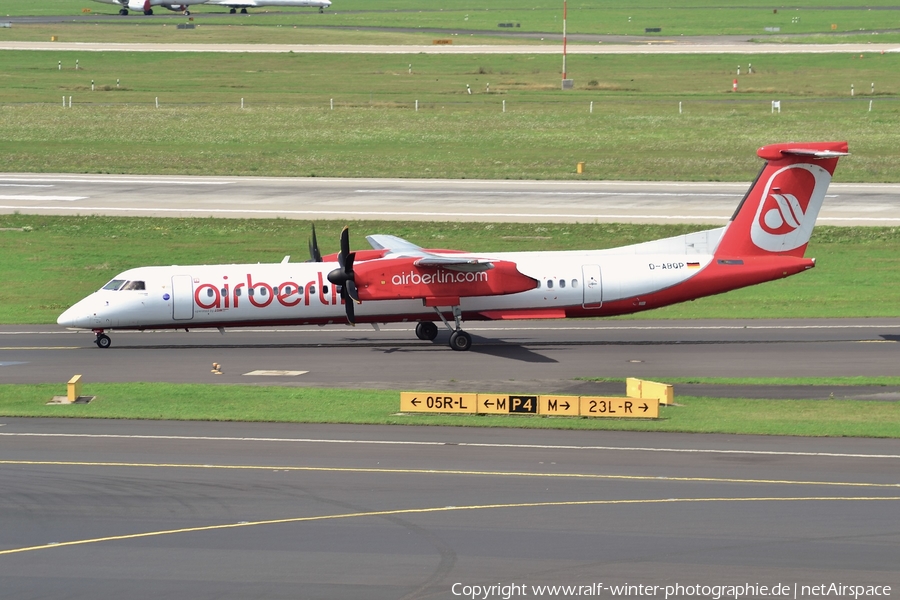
(697, 17)
(314, 405)
(48, 263)
(287, 128)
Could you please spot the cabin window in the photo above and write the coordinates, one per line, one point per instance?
(574, 283)
(275, 291)
(262, 291)
(209, 293)
(114, 284)
(237, 292)
(549, 284)
(562, 283)
(538, 285)
(312, 290)
(224, 292)
(250, 291)
(324, 289)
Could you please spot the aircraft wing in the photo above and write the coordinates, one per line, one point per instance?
(399, 248)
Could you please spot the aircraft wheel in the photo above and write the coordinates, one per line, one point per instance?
(321, 10)
(123, 12)
(426, 330)
(148, 12)
(103, 341)
(187, 13)
(460, 340)
(243, 11)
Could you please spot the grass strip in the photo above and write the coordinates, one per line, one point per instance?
(832, 418)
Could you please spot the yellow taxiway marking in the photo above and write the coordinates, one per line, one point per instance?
(444, 472)
(436, 509)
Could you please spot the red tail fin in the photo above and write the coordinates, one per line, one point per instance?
(779, 212)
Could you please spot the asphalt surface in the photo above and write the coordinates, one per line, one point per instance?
(511, 357)
(116, 509)
(417, 199)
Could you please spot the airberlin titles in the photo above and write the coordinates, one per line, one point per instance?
(261, 294)
(374, 284)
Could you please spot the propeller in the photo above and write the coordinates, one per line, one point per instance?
(314, 254)
(343, 276)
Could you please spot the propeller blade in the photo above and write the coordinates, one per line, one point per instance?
(314, 254)
(345, 241)
(348, 304)
(352, 292)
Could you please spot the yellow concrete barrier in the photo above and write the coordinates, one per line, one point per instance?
(641, 388)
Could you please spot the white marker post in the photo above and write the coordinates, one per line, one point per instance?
(504, 106)
(679, 108)
(60, 65)
(70, 101)
(851, 90)
(157, 102)
(92, 85)
(592, 107)
(332, 104)
(417, 106)
(64, 100)
(870, 106)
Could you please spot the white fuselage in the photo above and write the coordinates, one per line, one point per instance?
(299, 293)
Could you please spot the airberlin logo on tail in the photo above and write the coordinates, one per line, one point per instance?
(789, 207)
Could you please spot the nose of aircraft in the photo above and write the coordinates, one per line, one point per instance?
(69, 318)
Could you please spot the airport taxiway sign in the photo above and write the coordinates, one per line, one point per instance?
(604, 406)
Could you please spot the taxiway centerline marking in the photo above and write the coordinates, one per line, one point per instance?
(438, 509)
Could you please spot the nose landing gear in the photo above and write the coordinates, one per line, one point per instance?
(102, 340)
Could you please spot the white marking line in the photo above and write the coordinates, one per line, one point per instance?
(28, 185)
(542, 193)
(274, 373)
(375, 213)
(474, 445)
(474, 325)
(43, 198)
(121, 180)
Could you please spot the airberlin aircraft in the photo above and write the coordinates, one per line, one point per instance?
(397, 281)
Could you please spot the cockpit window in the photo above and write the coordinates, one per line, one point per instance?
(134, 285)
(114, 284)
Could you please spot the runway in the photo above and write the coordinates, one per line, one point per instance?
(417, 199)
(512, 357)
(106, 509)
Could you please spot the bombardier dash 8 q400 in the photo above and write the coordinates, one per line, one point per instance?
(397, 281)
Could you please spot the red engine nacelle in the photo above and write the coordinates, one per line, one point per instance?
(401, 279)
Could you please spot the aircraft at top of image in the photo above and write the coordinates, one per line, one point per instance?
(398, 281)
(146, 6)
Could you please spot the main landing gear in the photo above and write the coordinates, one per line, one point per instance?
(459, 339)
(102, 340)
